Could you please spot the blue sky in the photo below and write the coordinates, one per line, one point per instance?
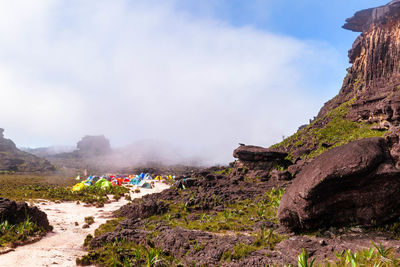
(303, 19)
(197, 75)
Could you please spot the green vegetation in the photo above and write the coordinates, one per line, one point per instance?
(225, 171)
(89, 194)
(393, 228)
(303, 261)
(265, 239)
(240, 251)
(89, 220)
(124, 253)
(11, 234)
(376, 255)
(239, 216)
(336, 132)
(27, 187)
(107, 227)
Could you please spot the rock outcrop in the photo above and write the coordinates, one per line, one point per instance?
(370, 94)
(255, 161)
(17, 212)
(373, 79)
(364, 19)
(94, 145)
(13, 159)
(354, 184)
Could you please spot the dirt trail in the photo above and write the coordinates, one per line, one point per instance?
(64, 244)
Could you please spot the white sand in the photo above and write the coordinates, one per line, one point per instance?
(65, 243)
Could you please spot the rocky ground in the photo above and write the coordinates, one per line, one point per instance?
(220, 220)
(329, 192)
(64, 243)
(331, 187)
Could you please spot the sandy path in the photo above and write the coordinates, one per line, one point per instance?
(64, 244)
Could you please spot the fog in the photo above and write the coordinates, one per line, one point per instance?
(144, 71)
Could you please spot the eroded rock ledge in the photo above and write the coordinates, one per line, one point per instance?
(362, 20)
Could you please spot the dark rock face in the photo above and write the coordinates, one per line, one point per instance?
(373, 79)
(370, 93)
(17, 212)
(256, 153)
(257, 161)
(95, 145)
(147, 208)
(355, 184)
(13, 159)
(281, 175)
(393, 139)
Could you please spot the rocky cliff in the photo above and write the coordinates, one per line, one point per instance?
(13, 159)
(368, 103)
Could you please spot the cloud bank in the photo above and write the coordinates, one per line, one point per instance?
(147, 70)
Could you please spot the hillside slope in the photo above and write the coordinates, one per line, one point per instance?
(368, 103)
(13, 159)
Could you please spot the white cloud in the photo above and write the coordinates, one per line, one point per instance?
(136, 71)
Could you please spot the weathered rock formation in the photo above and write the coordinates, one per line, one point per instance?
(356, 183)
(94, 145)
(17, 212)
(370, 95)
(373, 79)
(257, 161)
(13, 159)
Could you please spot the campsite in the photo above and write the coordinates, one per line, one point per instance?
(200, 133)
(63, 245)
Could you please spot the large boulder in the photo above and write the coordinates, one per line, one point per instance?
(17, 212)
(354, 184)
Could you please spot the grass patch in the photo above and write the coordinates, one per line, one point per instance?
(239, 251)
(265, 239)
(336, 132)
(376, 255)
(14, 233)
(89, 220)
(393, 228)
(123, 253)
(89, 194)
(239, 216)
(53, 187)
(107, 227)
(225, 171)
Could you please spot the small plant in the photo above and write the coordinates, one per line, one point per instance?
(197, 246)
(153, 256)
(382, 251)
(225, 171)
(13, 234)
(239, 252)
(351, 258)
(302, 260)
(89, 220)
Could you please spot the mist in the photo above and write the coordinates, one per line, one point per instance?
(146, 71)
